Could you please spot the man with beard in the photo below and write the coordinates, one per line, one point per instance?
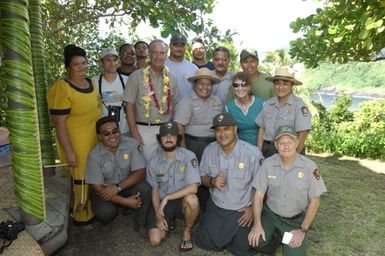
(127, 59)
(116, 171)
(221, 60)
(227, 168)
(111, 85)
(199, 54)
(179, 66)
(141, 50)
(173, 174)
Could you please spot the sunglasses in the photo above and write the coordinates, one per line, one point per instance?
(236, 85)
(106, 133)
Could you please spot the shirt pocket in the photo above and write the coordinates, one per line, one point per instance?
(108, 171)
(299, 189)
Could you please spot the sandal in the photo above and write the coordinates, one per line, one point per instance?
(183, 248)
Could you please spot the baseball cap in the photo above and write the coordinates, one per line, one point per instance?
(168, 128)
(285, 130)
(248, 52)
(178, 38)
(108, 51)
(225, 119)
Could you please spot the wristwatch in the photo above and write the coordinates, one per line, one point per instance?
(118, 188)
(304, 230)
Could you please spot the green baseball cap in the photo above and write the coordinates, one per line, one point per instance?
(225, 119)
(248, 52)
(285, 130)
(178, 38)
(168, 128)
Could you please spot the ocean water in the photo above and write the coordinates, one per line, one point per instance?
(327, 99)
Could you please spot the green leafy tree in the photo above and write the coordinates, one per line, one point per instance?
(18, 78)
(277, 58)
(342, 31)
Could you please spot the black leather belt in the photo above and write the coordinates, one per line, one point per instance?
(268, 142)
(202, 139)
(146, 124)
(287, 218)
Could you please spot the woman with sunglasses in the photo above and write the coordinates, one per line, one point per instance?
(282, 109)
(245, 107)
(74, 105)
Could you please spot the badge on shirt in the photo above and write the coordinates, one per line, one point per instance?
(107, 165)
(140, 149)
(289, 110)
(215, 102)
(125, 156)
(305, 111)
(301, 175)
(182, 168)
(241, 165)
(317, 174)
(194, 162)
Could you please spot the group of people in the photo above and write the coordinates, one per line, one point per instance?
(168, 138)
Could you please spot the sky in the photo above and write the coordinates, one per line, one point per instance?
(262, 25)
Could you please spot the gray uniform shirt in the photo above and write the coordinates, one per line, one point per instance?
(135, 91)
(294, 113)
(222, 88)
(170, 176)
(289, 191)
(240, 167)
(104, 167)
(197, 114)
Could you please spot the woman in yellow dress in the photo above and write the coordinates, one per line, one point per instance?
(74, 105)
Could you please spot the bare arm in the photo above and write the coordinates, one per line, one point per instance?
(186, 190)
(134, 178)
(302, 135)
(257, 230)
(131, 120)
(109, 192)
(59, 122)
(181, 132)
(161, 222)
(261, 133)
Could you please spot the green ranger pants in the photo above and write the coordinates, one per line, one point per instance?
(272, 223)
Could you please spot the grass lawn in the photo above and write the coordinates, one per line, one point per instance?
(350, 221)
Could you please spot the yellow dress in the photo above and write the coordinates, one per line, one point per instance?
(82, 107)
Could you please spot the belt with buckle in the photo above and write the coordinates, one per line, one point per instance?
(148, 124)
(202, 139)
(287, 218)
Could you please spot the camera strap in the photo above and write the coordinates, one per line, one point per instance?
(100, 84)
(4, 246)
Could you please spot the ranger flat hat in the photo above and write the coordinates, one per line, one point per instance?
(204, 73)
(284, 73)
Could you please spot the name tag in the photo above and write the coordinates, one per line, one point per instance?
(271, 177)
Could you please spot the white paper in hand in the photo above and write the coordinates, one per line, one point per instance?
(287, 236)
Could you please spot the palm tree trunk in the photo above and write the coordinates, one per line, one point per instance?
(40, 79)
(17, 76)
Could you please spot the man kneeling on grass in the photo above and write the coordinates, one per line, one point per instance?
(174, 176)
(293, 186)
(116, 171)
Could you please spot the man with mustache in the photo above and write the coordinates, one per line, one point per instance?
(174, 176)
(221, 60)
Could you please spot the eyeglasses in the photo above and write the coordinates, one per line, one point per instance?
(114, 131)
(288, 144)
(235, 85)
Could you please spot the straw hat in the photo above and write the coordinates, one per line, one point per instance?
(284, 73)
(204, 73)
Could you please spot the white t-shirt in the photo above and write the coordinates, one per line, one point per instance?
(112, 96)
(182, 71)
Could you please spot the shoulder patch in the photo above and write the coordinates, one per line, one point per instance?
(140, 149)
(194, 162)
(317, 174)
(305, 111)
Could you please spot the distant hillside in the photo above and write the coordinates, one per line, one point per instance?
(356, 77)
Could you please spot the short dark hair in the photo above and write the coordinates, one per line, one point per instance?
(222, 49)
(104, 120)
(71, 51)
(123, 45)
(140, 42)
(242, 76)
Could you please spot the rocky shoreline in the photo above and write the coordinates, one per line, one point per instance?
(365, 92)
